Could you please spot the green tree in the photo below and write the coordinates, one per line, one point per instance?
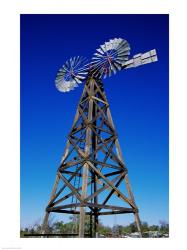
(154, 228)
(105, 230)
(133, 227)
(164, 227)
(145, 227)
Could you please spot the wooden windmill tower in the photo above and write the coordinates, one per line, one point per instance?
(92, 179)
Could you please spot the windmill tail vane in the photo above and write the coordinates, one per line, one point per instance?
(92, 179)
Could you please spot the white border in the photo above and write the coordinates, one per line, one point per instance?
(9, 113)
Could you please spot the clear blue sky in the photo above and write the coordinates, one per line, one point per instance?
(138, 99)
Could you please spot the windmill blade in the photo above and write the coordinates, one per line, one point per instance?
(109, 58)
(71, 74)
(141, 59)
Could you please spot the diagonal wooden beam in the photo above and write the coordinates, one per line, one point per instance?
(108, 153)
(68, 184)
(112, 191)
(77, 129)
(67, 154)
(104, 143)
(70, 164)
(99, 100)
(103, 115)
(68, 195)
(71, 193)
(124, 198)
(102, 94)
(79, 151)
(104, 164)
(63, 187)
(106, 186)
(104, 130)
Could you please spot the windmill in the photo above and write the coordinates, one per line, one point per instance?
(92, 170)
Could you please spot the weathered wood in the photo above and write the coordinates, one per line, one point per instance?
(105, 186)
(99, 100)
(104, 116)
(62, 211)
(85, 204)
(122, 211)
(64, 206)
(68, 152)
(94, 175)
(45, 223)
(68, 195)
(102, 206)
(114, 173)
(70, 186)
(129, 188)
(80, 152)
(92, 133)
(85, 166)
(46, 217)
(120, 155)
(77, 129)
(106, 165)
(112, 186)
(71, 193)
(98, 89)
(138, 223)
(70, 164)
(104, 130)
(71, 173)
(61, 189)
(105, 142)
(113, 191)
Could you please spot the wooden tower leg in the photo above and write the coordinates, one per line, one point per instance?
(66, 150)
(46, 217)
(138, 224)
(45, 223)
(94, 145)
(86, 166)
(96, 221)
(120, 155)
(136, 216)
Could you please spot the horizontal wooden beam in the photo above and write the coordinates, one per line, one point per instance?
(85, 204)
(62, 211)
(124, 211)
(95, 205)
(50, 209)
(70, 172)
(104, 164)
